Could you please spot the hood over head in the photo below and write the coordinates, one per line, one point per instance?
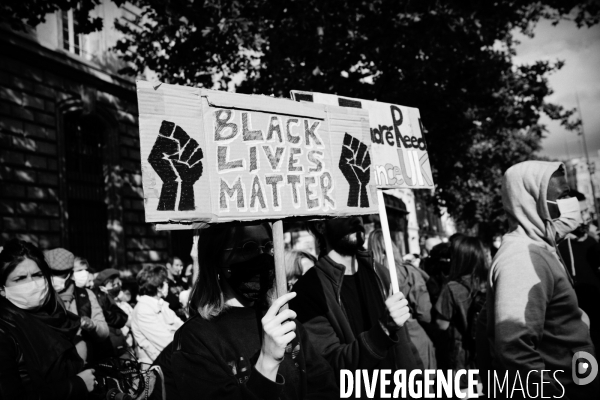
(524, 189)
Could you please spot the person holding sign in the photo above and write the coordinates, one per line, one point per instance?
(234, 345)
(346, 308)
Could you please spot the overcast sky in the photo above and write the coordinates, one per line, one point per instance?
(580, 49)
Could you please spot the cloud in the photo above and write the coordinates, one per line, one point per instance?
(580, 49)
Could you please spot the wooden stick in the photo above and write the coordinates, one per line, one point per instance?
(194, 255)
(279, 249)
(389, 248)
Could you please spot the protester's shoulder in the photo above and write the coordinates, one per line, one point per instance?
(101, 296)
(194, 332)
(91, 294)
(307, 282)
(456, 286)
(143, 308)
(8, 345)
(518, 252)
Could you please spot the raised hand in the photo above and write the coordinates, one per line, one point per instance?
(278, 331)
(176, 157)
(355, 164)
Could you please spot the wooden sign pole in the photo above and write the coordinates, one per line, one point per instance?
(194, 255)
(279, 253)
(389, 248)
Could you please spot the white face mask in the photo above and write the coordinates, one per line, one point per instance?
(570, 216)
(58, 283)
(28, 295)
(81, 277)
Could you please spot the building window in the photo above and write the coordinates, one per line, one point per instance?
(72, 39)
(87, 211)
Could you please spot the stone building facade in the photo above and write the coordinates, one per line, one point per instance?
(69, 147)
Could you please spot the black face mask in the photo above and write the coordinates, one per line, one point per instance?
(253, 278)
(338, 236)
(114, 292)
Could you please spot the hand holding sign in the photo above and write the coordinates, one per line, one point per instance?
(355, 164)
(176, 157)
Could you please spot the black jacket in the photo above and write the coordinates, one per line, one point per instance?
(320, 310)
(35, 361)
(207, 362)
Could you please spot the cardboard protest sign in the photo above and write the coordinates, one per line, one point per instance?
(399, 150)
(210, 156)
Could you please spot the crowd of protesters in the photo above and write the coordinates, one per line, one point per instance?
(526, 302)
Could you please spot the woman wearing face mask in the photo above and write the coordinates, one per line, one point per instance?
(37, 357)
(234, 345)
(78, 300)
(153, 322)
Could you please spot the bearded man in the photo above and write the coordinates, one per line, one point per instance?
(345, 305)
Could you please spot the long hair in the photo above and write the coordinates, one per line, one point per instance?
(377, 246)
(320, 241)
(207, 298)
(14, 253)
(293, 264)
(468, 257)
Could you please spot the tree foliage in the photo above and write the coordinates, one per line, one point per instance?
(21, 14)
(451, 59)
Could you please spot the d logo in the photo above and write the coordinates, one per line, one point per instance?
(587, 363)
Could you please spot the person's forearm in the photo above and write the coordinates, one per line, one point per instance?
(267, 367)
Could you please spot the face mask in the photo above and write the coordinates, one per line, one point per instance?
(570, 216)
(58, 283)
(81, 277)
(339, 235)
(253, 278)
(114, 292)
(28, 295)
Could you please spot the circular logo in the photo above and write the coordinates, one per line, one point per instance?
(582, 364)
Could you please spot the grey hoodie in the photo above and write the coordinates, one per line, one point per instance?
(534, 322)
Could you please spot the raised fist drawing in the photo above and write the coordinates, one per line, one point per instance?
(176, 158)
(355, 164)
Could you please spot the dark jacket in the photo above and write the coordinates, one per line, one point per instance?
(208, 362)
(164, 362)
(36, 362)
(320, 310)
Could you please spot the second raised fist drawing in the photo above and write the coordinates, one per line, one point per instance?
(355, 164)
(176, 159)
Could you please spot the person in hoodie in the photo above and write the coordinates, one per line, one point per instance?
(534, 322)
(345, 305)
(77, 299)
